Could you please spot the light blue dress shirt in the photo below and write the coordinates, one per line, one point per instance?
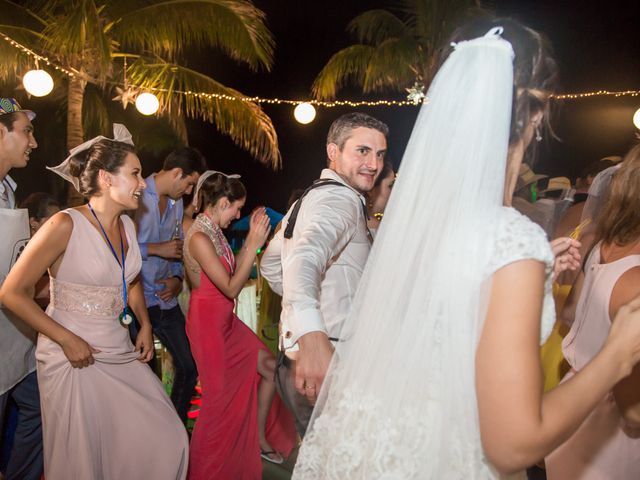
(153, 228)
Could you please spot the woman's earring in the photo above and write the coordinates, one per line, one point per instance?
(538, 134)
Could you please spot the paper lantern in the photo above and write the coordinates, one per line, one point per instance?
(37, 82)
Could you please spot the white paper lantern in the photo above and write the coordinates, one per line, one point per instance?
(37, 82)
(636, 119)
(304, 113)
(147, 103)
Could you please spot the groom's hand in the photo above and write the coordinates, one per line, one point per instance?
(312, 363)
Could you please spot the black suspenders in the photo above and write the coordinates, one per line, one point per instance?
(291, 223)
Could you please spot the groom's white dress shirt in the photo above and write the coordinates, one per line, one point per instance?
(317, 271)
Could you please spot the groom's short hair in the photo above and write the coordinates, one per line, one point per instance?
(341, 128)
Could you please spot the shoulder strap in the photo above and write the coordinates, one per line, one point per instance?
(291, 223)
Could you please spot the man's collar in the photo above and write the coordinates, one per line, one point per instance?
(8, 180)
(151, 184)
(151, 188)
(333, 175)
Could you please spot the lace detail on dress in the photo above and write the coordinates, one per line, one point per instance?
(518, 238)
(367, 444)
(88, 300)
(206, 226)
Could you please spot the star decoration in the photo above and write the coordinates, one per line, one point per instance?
(416, 93)
(125, 95)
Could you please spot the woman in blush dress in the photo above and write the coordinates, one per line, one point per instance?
(240, 418)
(105, 415)
(607, 444)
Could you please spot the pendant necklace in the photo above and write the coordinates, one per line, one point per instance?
(125, 317)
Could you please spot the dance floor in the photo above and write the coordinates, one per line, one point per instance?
(271, 471)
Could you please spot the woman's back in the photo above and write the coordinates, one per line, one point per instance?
(603, 447)
(592, 322)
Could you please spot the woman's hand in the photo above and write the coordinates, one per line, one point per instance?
(567, 255)
(144, 343)
(624, 335)
(259, 228)
(78, 352)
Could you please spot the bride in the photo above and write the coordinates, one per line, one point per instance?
(438, 376)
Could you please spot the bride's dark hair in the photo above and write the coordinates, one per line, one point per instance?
(535, 73)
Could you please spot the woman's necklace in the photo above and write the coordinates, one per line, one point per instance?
(124, 318)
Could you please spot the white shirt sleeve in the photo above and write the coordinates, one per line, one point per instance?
(271, 263)
(326, 224)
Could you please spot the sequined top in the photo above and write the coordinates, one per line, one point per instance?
(204, 224)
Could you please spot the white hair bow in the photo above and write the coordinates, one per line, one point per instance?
(120, 134)
(203, 177)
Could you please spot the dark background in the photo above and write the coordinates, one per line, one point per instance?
(596, 45)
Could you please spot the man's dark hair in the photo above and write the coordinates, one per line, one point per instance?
(37, 204)
(188, 159)
(8, 119)
(341, 128)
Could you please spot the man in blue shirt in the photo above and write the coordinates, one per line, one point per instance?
(159, 221)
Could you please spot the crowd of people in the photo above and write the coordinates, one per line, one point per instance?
(413, 306)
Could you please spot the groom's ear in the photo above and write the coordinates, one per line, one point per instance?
(332, 154)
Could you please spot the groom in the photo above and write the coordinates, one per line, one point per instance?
(315, 262)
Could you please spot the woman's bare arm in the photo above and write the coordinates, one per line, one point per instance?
(626, 392)
(519, 425)
(43, 251)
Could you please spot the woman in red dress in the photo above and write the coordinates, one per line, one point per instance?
(239, 419)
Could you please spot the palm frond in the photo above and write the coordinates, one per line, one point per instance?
(393, 65)
(76, 34)
(375, 26)
(21, 15)
(244, 122)
(166, 28)
(12, 61)
(347, 65)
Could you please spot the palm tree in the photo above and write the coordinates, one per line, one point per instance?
(128, 46)
(396, 48)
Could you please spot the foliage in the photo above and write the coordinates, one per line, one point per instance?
(395, 48)
(94, 37)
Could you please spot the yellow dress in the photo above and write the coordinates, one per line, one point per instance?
(554, 364)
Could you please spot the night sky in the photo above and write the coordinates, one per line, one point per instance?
(596, 45)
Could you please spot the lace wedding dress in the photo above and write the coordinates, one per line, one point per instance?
(355, 438)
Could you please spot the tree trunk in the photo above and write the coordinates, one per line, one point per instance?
(75, 132)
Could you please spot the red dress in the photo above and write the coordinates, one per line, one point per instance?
(224, 444)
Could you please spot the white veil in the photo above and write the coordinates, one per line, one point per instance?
(399, 401)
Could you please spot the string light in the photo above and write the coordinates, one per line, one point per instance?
(33, 54)
(318, 103)
(597, 93)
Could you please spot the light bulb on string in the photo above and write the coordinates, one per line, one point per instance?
(147, 103)
(636, 119)
(304, 113)
(37, 83)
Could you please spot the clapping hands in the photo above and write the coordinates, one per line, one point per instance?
(259, 228)
(566, 254)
